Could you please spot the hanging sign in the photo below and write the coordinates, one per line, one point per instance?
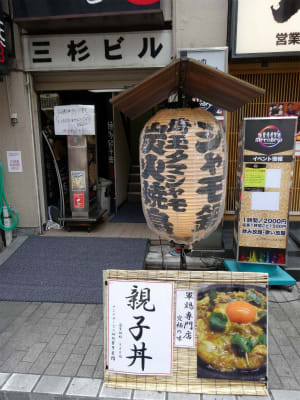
(14, 161)
(140, 327)
(261, 229)
(99, 50)
(74, 120)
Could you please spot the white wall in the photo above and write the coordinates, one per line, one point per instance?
(199, 23)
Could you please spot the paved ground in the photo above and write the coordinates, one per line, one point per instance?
(55, 351)
(58, 348)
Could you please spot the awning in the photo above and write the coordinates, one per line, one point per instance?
(194, 79)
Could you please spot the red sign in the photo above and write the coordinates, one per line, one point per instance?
(143, 2)
(78, 200)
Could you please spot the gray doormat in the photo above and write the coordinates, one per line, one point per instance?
(66, 270)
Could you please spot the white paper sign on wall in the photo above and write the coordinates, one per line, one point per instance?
(14, 161)
(74, 119)
(185, 318)
(140, 327)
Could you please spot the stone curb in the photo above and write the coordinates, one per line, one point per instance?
(15, 386)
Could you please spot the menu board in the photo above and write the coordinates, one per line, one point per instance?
(263, 192)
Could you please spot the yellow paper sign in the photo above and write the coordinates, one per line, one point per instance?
(255, 177)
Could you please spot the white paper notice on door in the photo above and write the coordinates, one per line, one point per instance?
(273, 177)
(265, 201)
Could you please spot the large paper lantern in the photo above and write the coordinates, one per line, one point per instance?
(183, 174)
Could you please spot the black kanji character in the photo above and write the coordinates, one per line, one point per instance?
(294, 38)
(154, 195)
(149, 168)
(140, 298)
(179, 125)
(139, 354)
(79, 48)
(154, 142)
(139, 327)
(177, 142)
(114, 47)
(160, 220)
(281, 39)
(207, 216)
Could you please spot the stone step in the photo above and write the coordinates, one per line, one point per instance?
(134, 177)
(134, 196)
(134, 187)
(135, 169)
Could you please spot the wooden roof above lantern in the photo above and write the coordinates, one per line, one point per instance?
(194, 79)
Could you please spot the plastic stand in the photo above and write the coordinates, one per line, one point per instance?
(277, 275)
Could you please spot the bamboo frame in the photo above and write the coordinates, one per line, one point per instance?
(184, 378)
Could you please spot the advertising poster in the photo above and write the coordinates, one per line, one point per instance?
(78, 180)
(288, 109)
(78, 200)
(140, 315)
(263, 198)
(232, 332)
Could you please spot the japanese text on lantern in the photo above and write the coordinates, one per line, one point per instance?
(213, 185)
(163, 170)
(139, 328)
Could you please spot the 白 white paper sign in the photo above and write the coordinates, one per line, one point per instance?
(74, 120)
(273, 177)
(14, 161)
(140, 327)
(268, 201)
(185, 318)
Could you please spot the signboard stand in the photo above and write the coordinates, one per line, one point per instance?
(139, 307)
(265, 165)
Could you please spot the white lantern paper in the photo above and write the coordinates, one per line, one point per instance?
(183, 174)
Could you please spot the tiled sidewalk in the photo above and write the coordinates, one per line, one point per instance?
(50, 350)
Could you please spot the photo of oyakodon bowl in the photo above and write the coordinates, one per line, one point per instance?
(232, 332)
